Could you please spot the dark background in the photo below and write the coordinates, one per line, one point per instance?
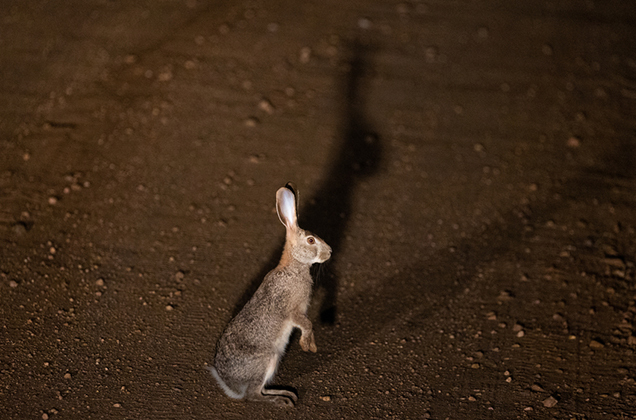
(472, 163)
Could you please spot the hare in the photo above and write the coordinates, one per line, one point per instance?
(253, 343)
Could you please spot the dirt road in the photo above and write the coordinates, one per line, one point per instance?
(471, 163)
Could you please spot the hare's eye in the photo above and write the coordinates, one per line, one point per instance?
(311, 241)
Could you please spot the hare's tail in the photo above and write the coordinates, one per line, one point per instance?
(228, 391)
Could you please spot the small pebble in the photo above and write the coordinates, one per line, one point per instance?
(266, 106)
(574, 142)
(13, 284)
(326, 398)
(19, 229)
(52, 200)
(596, 344)
(169, 307)
(536, 388)
(431, 53)
(617, 262)
(546, 49)
(550, 402)
(251, 122)
(100, 282)
(482, 32)
(305, 55)
(364, 23)
(504, 296)
(165, 76)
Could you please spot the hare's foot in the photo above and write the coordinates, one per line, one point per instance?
(279, 397)
(308, 342)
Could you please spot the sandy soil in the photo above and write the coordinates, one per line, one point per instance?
(472, 163)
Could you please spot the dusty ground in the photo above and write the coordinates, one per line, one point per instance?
(472, 163)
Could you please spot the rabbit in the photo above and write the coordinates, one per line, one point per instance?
(254, 341)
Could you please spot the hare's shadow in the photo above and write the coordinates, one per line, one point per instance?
(356, 157)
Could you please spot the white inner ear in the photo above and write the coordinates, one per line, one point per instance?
(287, 206)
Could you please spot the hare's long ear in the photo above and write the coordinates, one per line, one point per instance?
(286, 208)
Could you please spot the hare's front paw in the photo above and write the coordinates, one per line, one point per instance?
(308, 343)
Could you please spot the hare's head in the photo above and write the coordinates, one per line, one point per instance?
(303, 246)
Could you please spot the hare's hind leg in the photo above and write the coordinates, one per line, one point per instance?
(280, 397)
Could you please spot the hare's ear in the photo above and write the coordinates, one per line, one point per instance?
(286, 207)
(293, 189)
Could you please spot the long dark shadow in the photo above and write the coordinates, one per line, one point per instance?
(356, 157)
